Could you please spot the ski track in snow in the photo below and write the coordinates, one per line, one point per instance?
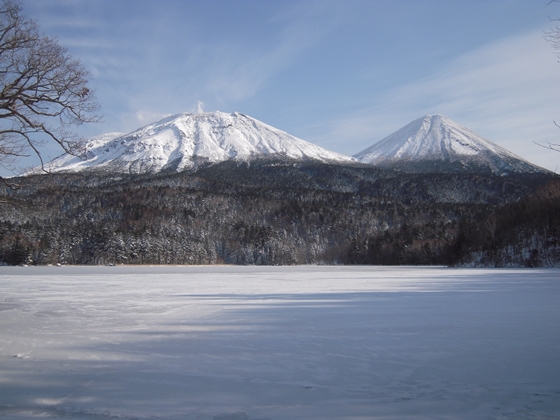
(248, 343)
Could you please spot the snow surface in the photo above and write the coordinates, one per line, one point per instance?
(438, 138)
(184, 141)
(235, 343)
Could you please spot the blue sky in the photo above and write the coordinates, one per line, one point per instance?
(341, 74)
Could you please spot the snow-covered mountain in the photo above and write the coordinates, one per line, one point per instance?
(187, 140)
(435, 143)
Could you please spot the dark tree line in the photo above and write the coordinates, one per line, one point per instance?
(268, 213)
(524, 233)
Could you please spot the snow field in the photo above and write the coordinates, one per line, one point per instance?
(177, 140)
(234, 343)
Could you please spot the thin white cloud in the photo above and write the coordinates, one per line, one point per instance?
(239, 74)
(507, 91)
(153, 78)
(147, 117)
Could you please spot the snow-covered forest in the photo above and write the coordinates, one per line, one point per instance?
(283, 213)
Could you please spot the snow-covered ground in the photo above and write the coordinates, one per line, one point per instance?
(234, 343)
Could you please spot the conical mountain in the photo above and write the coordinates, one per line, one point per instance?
(188, 140)
(435, 143)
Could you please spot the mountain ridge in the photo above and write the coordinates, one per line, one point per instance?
(187, 141)
(191, 141)
(435, 143)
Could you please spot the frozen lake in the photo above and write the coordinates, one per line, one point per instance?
(248, 343)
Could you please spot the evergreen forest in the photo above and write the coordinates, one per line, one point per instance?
(280, 212)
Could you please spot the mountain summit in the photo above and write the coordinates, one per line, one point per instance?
(435, 143)
(188, 140)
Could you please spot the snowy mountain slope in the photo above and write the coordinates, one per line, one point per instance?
(94, 146)
(185, 141)
(435, 143)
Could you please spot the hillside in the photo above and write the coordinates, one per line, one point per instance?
(188, 141)
(435, 143)
(264, 212)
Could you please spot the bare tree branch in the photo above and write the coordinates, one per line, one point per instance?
(43, 90)
(553, 37)
(551, 146)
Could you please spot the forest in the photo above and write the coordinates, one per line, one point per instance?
(281, 212)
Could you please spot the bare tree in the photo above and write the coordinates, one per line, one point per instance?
(43, 90)
(550, 145)
(553, 36)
